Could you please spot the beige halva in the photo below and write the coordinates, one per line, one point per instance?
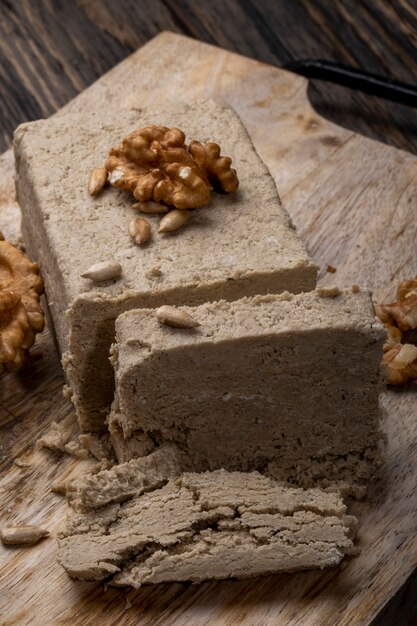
(242, 244)
(207, 525)
(271, 383)
(283, 384)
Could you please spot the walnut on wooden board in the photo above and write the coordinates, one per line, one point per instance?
(400, 364)
(21, 316)
(155, 164)
(402, 313)
(394, 337)
(400, 318)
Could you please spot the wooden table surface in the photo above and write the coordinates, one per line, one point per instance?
(50, 50)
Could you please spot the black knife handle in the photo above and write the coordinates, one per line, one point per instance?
(353, 78)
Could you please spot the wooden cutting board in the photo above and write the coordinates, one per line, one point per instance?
(354, 201)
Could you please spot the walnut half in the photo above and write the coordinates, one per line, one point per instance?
(400, 319)
(155, 164)
(400, 364)
(21, 316)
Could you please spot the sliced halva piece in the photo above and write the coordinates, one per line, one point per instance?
(208, 526)
(138, 444)
(241, 244)
(284, 384)
(122, 482)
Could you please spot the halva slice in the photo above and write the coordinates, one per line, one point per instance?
(208, 526)
(240, 244)
(284, 384)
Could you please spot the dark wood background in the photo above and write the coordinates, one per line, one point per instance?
(50, 50)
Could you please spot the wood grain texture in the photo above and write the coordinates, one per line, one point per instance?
(353, 201)
(50, 50)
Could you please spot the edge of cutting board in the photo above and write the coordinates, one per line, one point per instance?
(352, 200)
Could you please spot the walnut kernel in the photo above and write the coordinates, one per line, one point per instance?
(155, 164)
(400, 364)
(400, 317)
(21, 316)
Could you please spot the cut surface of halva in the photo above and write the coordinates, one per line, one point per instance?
(285, 384)
(241, 244)
(215, 525)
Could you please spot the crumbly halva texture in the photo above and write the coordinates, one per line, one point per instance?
(137, 444)
(67, 231)
(74, 476)
(64, 436)
(121, 482)
(278, 384)
(58, 434)
(208, 526)
(98, 447)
